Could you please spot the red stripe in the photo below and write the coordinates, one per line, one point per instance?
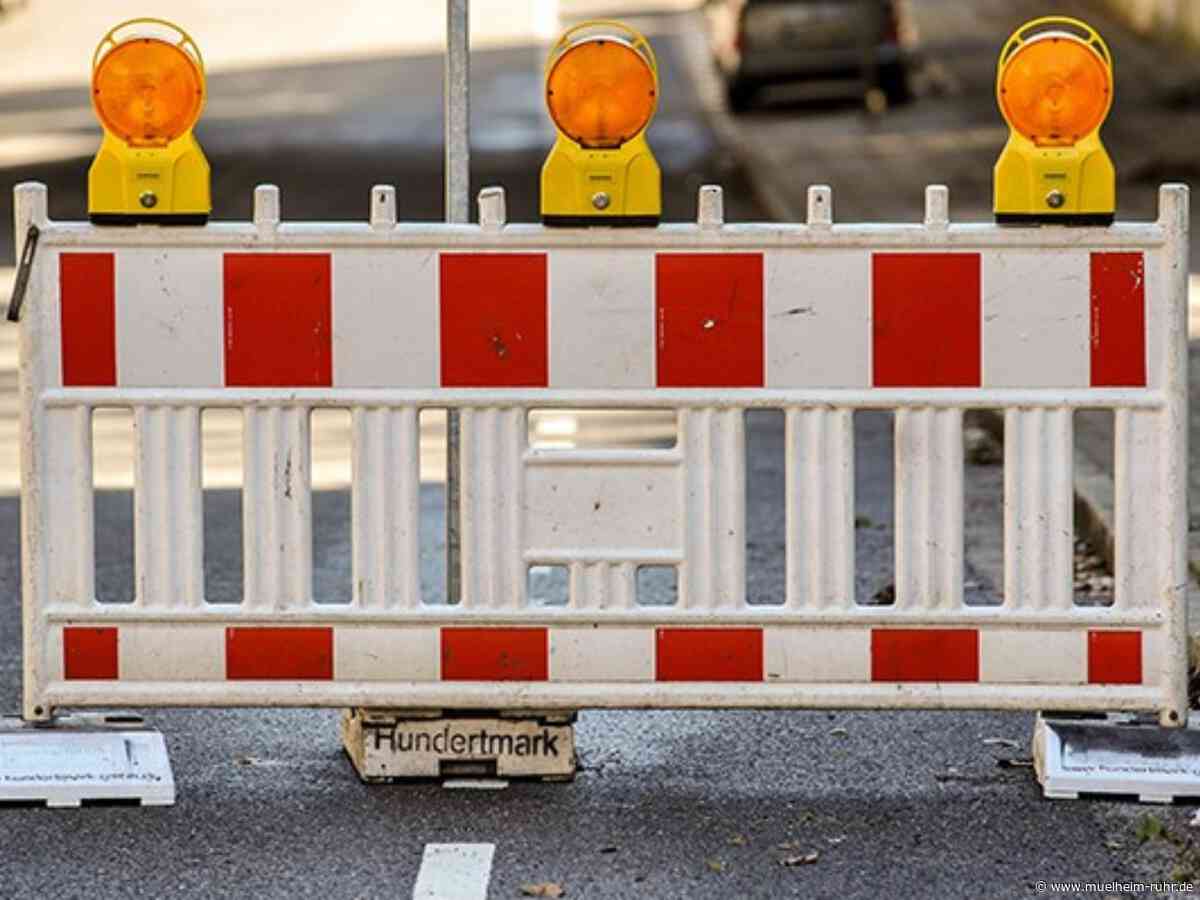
(709, 654)
(926, 319)
(87, 286)
(1118, 320)
(495, 654)
(90, 653)
(1114, 657)
(925, 654)
(709, 315)
(278, 315)
(493, 319)
(279, 654)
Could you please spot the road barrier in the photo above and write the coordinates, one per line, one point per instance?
(711, 320)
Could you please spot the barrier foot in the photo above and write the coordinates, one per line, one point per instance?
(387, 745)
(1116, 754)
(85, 758)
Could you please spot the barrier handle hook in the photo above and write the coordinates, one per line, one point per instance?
(23, 269)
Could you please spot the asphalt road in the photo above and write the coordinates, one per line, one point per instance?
(668, 804)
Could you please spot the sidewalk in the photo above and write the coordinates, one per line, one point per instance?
(878, 167)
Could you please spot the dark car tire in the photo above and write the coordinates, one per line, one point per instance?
(894, 82)
(740, 95)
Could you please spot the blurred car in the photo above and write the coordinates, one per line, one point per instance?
(762, 42)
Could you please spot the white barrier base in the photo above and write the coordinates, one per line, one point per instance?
(1117, 755)
(390, 745)
(100, 758)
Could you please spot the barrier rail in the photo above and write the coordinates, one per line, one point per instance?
(707, 319)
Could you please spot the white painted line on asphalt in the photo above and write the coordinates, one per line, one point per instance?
(474, 784)
(454, 872)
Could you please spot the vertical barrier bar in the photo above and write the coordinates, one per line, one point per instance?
(820, 508)
(50, 433)
(493, 563)
(602, 585)
(67, 502)
(386, 507)
(458, 211)
(713, 574)
(929, 509)
(1170, 332)
(277, 509)
(1039, 532)
(168, 509)
(1139, 507)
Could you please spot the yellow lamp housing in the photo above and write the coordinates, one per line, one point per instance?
(148, 90)
(601, 92)
(1054, 84)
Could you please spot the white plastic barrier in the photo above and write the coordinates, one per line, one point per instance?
(820, 320)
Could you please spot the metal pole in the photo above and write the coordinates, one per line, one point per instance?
(458, 210)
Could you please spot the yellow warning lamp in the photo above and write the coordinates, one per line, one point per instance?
(148, 90)
(1055, 88)
(601, 90)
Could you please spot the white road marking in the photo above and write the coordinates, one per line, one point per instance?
(474, 784)
(454, 872)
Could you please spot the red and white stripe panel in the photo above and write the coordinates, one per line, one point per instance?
(604, 318)
(587, 653)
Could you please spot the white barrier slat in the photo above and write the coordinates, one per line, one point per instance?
(818, 319)
(602, 585)
(1039, 531)
(929, 509)
(168, 509)
(385, 319)
(589, 654)
(820, 516)
(1036, 330)
(601, 319)
(713, 574)
(172, 653)
(1033, 656)
(1142, 521)
(277, 509)
(169, 319)
(817, 654)
(69, 565)
(386, 506)
(493, 444)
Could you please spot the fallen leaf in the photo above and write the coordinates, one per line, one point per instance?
(1020, 763)
(804, 859)
(1002, 742)
(715, 865)
(886, 595)
(738, 840)
(545, 889)
(1117, 845)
